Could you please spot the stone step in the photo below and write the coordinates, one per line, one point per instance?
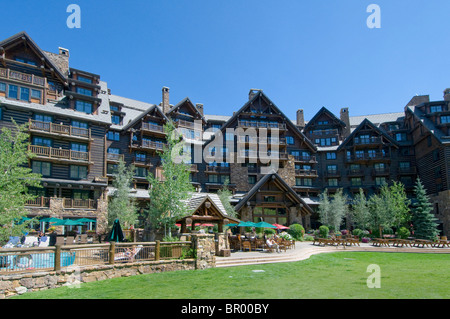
(240, 261)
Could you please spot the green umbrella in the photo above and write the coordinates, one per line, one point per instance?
(86, 220)
(68, 222)
(264, 225)
(246, 224)
(50, 220)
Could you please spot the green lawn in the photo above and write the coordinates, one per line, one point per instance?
(328, 275)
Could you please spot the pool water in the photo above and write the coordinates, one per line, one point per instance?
(38, 261)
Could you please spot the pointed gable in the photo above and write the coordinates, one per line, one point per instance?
(22, 51)
(368, 128)
(273, 182)
(321, 116)
(186, 108)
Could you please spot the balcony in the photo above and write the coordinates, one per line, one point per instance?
(79, 203)
(149, 145)
(317, 134)
(332, 173)
(407, 170)
(141, 161)
(217, 169)
(367, 140)
(257, 125)
(59, 155)
(355, 172)
(23, 77)
(368, 157)
(112, 157)
(60, 130)
(153, 128)
(38, 202)
(305, 159)
(381, 172)
(306, 172)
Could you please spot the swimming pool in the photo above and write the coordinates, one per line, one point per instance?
(35, 261)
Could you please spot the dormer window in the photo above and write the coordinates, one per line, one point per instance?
(435, 108)
(84, 91)
(84, 79)
(23, 60)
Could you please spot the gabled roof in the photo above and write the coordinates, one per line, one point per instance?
(187, 101)
(374, 127)
(427, 123)
(260, 94)
(18, 37)
(149, 110)
(281, 183)
(324, 110)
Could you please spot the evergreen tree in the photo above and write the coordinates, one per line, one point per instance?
(122, 206)
(15, 178)
(424, 222)
(168, 196)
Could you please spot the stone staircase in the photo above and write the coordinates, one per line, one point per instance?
(252, 259)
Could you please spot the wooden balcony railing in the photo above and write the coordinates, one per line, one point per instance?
(159, 146)
(112, 157)
(22, 77)
(217, 169)
(381, 171)
(367, 157)
(366, 141)
(61, 129)
(306, 159)
(355, 172)
(306, 172)
(79, 203)
(254, 124)
(407, 170)
(152, 127)
(39, 202)
(58, 153)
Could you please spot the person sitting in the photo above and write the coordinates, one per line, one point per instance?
(272, 244)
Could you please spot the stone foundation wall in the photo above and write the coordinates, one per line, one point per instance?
(441, 206)
(13, 284)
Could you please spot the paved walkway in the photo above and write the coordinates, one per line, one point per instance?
(304, 250)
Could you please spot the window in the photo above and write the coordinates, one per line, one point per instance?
(332, 182)
(23, 60)
(213, 178)
(359, 154)
(83, 106)
(269, 199)
(445, 119)
(24, 94)
(332, 169)
(12, 92)
(113, 136)
(290, 140)
(79, 147)
(78, 172)
(2, 87)
(36, 94)
(111, 169)
(42, 141)
(84, 79)
(140, 172)
(436, 155)
(139, 157)
(115, 119)
(356, 181)
(307, 182)
(80, 194)
(114, 108)
(435, 108)
(79, 124)
(113, 150)
(379, 181)
(400, 137)
(84, 91)
(252, 179)
(42, 168)
(43, 118)
(379, 167)
(372, 153)
(429, 141)
(405, 165)
(229, 136)
(331, 156)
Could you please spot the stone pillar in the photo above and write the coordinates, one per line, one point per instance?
(295, 216)
(239, 176)
(205, 250)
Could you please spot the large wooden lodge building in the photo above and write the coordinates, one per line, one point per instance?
(79, 131)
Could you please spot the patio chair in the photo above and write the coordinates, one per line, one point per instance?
(44, 241)
(128, 255)
(246, 245)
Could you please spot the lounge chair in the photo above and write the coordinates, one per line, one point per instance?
(128, 255)
(31, 241)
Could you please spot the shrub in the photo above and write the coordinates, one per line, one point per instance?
(358, 232)
(286, 236)
(269, 231)
(323, 231)
(403, 233)
(365, 240)
(297, 231)
(308, 238)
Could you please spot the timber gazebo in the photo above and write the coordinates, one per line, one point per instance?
(206, 208)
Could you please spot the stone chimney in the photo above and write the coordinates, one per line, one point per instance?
(199, 107)
(165, 99)
(300, 118)
(345, 117)
(447, 95)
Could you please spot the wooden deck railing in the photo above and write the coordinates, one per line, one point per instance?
(80, 203)
(254, 124)
(54, 128)
(58, 153)
(22, 77)
(38, 202)
(152, 127)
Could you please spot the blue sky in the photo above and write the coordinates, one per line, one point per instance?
(302, 54)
